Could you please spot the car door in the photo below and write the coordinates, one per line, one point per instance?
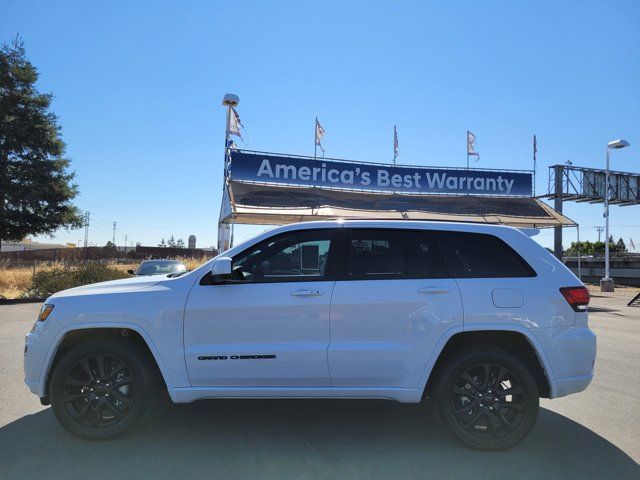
(390, 308)
(270, 325)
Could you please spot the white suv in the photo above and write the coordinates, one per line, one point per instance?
(479, 318)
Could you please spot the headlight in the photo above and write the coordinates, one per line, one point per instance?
(45, 311)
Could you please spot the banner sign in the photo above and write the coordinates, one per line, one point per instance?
(304, 171)
(625, 187)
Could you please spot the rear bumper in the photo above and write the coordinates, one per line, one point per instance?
(571, 352)
(569, 385)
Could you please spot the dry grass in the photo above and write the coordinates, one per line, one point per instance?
(14, 281)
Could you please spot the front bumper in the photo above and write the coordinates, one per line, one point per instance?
(33, 360)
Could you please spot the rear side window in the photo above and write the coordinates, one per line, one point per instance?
(473, 255)
(392, 254)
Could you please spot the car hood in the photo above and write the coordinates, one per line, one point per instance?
(113, 286)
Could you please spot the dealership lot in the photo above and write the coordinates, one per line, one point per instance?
(594, 434)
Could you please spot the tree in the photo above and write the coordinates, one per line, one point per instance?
(162, 244)
(36, 188)
(621, 247)
(110, 244)
(588, 248)
(180, 243)
(172, 241)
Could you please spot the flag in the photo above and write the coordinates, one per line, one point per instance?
(235, 124)
(535, 148)
(631, 244)
(319, 135)
(395, 144)
(471, 144)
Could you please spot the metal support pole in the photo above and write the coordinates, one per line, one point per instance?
(534, 170)
(233, 224)
(606, 284)
(578, 237)
(226, 142)
(534, 180)
(224, 228)
(557, 204)
(606, 221)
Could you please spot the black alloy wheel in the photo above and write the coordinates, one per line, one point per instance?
(99, 390)
(102, 387)
(487, 398)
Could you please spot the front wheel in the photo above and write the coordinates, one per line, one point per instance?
(487, 398)
(101, 388)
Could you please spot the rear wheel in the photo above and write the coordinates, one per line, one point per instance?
(487, 398)
(102, 387)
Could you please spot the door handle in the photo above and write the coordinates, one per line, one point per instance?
(433, 290)
(306, 293)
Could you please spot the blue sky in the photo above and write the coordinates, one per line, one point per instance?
(138, 87)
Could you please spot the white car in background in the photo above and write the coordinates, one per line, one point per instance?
(479, 318)
(159, 267)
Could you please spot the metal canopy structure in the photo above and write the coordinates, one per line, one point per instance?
(250, 203)
(275, 189)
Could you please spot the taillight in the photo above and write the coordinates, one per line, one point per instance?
(577, 297)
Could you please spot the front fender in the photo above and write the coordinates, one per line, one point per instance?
(146, 337)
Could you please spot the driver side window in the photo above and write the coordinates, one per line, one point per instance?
(292, 257)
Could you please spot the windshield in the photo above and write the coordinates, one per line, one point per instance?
(161, 268)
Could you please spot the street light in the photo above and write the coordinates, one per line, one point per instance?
(225, 232)
(230, 100)
(606, 284)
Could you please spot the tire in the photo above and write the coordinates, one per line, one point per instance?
(486, 398)
(103, 387)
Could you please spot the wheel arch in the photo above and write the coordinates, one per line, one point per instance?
(511, 338)
(76, 334)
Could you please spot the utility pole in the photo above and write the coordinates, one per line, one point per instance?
(114, 234)
(599, 229)
(87, 216)
(125, 245)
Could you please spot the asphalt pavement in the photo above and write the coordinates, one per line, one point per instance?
(594, 434)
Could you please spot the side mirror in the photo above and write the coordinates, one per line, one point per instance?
(131, 272)
(221, 268)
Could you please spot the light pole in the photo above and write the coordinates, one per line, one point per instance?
(225, 232)
(606, 284)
